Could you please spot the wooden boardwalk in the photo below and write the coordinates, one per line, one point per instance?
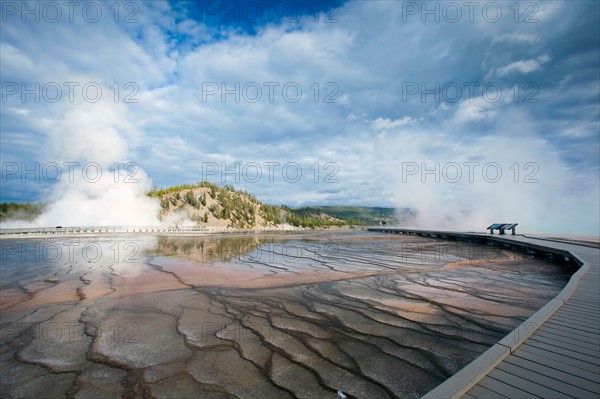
(561, 359)
(553, 354)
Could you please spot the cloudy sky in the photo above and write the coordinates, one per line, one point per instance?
(469, 113)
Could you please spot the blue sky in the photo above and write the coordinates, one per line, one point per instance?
(361, 97)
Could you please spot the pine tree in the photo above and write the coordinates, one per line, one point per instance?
(189, 197)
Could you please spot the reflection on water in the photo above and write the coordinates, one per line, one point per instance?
(255, 316)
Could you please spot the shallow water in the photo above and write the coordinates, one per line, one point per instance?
(252, 316)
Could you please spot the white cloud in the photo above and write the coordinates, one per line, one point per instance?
(387, 124)
(18, 111)
(525, 66)
(477, 110)
(517, 37)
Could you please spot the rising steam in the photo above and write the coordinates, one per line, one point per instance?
(540, 192)
(102, 187)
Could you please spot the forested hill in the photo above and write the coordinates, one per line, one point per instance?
(207, 204)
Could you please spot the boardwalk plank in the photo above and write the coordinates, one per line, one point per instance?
(558, 320)
(564, 323)
(560, 363)
(586, 287)
(555, 374)
(577, 307)
(587, 351)
(569, 337)
(584, 293)
(525, 384)
(506, 389)
(583, 302)
(535, 378)
(578, 324)
(591, 317)
(565, 352)
(588, 282)
(578, 345)
(568, 357)
(581, 321)
(484, 393)
(574, 337)
(583, 296)
(560, 341)
(570, 333)
(585, 313)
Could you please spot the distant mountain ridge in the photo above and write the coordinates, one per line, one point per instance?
(363, 215)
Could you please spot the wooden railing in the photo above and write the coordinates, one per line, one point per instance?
(130, 229)
(104, 229)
